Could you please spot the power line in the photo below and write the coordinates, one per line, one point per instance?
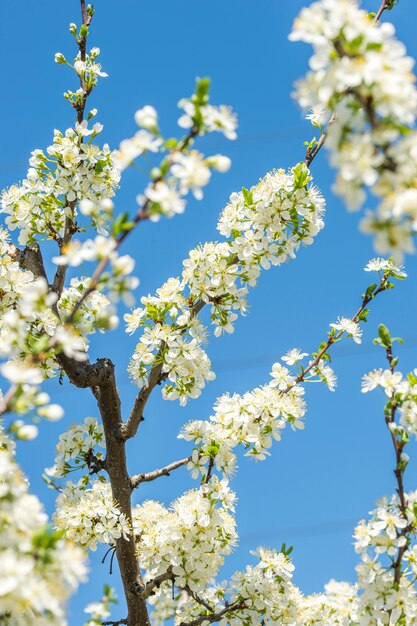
(304, 530)
(247, 363)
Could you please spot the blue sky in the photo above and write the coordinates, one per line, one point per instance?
(318, 482)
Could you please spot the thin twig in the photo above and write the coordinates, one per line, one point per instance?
(197, 598)
(6, 399)
(142, 214)
(398, 450)
(149, 588)
(382, 8)
(334, 338)
(216, 617)
(130, 427)
(138, 479)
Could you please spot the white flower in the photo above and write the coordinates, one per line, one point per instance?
(385, 265)
(219, 162)
(371, 380)
(147, 117)
(166, 197)
(191, 171)
(18, 372)
(51, 412)
(316, 115)
(293, 356)
(25, 431)
(348, 326)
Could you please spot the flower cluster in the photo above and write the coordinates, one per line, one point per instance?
(88, 69)
(253, 419)
(264, 226)
(263, 592)
(183, 168)
(208, 118)
(95, 312)
(400, 390)
(88, 514)
(76, 448)
(117, 282)
(71, 170)
(190, 538)
(39, 568)
(360, 71)
(381, 593)
(172, 339)
(31, 334)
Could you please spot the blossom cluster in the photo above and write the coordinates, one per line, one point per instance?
(264, 226)
(71, 170)
(399, 389)
(182, 168)
(96, 311)
(118, 282)
(361, 72)
(266, 590)
(88, 69)
(252, 420)
(172, 339)
(262, 592)
(39, 568)
(190, 538)
(89, 515)
(76, 448)
(31, 334)
(387, 533)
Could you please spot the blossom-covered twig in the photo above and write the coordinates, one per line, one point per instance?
(216, 617)
(312, 152)
(130, 427)
(142, 214)
(357, 317)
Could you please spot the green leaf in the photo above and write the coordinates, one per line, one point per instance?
(384, 336)
(121, 224)
(370, 290)
(362, 316)
(301, 175)
(412, 379)
(83, 31)
(248, 196)
(201, 95)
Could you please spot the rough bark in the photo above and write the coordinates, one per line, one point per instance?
(109, 406)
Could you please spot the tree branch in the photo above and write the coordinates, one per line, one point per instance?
(30, 258)
(141, 215)
(156, 583)
(198, 599)
(137, 479)
(109, 406)
(332, 339)
(398, 472)
(216, 617)
(129, 428)
(311, 154)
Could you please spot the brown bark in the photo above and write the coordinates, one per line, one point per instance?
(109, 405)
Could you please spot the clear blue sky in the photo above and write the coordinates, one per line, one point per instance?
(319, 482)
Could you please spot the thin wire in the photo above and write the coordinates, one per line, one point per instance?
(307, 530)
